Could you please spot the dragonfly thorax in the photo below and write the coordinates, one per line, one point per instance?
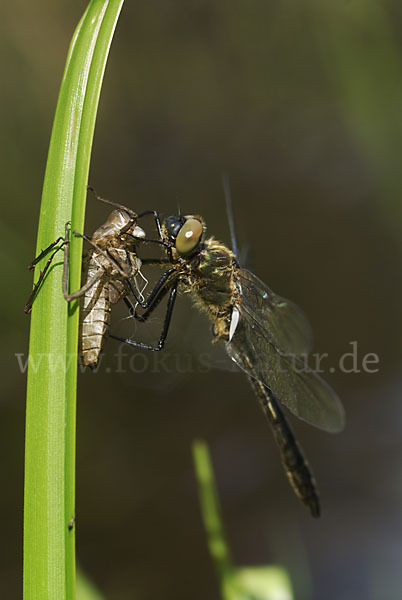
(214, 285)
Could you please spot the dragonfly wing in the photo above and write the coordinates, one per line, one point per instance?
(288, 327)
(287, 376)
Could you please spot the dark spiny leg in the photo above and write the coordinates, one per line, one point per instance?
(156, 290)
(165, 327)
(296, 466)
(163, 243)
(149, 241)
(44, 252)
(28, 306)
(157, 220)
(167, 245)
(150, 310)
(155, 261)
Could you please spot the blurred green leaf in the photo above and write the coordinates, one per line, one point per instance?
(364, 64)
(258, 583)
(251, 583)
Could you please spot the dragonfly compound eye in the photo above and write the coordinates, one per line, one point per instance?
(172, 226)
(189, 236)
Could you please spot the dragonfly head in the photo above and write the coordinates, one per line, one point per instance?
(186, 233)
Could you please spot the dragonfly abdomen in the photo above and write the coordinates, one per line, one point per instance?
(296, 466)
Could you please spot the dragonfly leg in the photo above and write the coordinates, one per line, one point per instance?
(129, 211)
(155, 261)
(87, 286)
(165, 328)
(161, 240)
(28, 306)
(164, 244)
(66, 268)
(160, 284)
(156, 216)
(46, 251)
(142, 318)
(74, 295)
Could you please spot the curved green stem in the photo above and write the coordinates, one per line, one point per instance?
(49, 542)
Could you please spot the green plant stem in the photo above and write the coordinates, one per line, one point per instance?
(210, 510)
(49, 543)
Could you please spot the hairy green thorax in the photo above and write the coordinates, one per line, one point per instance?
(214, 288)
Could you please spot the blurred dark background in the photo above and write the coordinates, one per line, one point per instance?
(301, 104)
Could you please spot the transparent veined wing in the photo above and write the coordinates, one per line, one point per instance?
(285, 323)
(268, 353)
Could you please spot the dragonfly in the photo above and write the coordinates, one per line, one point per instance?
(108, 269)
(264, 334)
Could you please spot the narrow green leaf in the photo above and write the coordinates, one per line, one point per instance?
(258, 583)
(49, 555)
(251, 583)
(210, 509)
